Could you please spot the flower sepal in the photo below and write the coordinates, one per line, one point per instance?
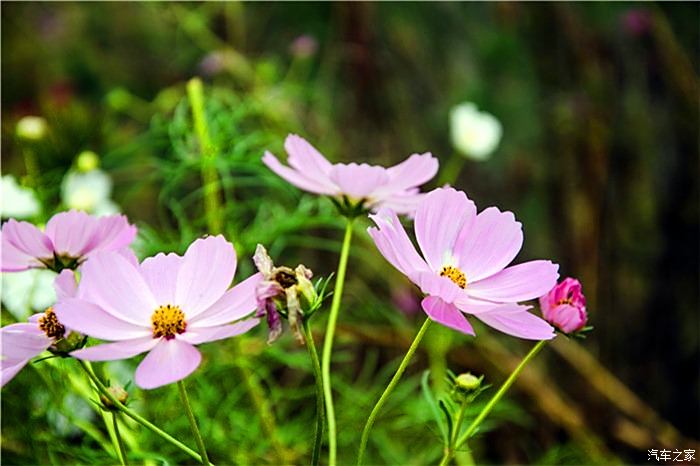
(350, 208)
(73, 341)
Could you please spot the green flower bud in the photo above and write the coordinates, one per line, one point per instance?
(467, 382)
(31, 128)
(117, 392)
(87, 161)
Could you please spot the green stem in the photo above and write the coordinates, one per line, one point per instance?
(328, 344)
(320, 408)
(120, 443)
(450, 172)
(390, 388)
(193, 422)
(455, 432)
(210, 179)
(499, 394)
(120, 406)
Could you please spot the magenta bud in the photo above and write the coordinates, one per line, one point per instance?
(565, 306)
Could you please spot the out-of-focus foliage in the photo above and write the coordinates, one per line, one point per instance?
(599, 160)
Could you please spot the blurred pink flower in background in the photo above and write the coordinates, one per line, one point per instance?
(304, 46)
(464, 261)
(69, 239)
(565, 306)
(370, 185)
(165, 305)
(637, 22)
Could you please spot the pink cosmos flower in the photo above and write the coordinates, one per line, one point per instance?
(23, 341)
(565, 306)
(464, 261)
(70, 238)
(370, 185)
(165, 305)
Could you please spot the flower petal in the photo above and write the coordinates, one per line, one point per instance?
(114, 284)
(168, 362)
(65, 285)
(89, 319)
(22, 241)
(112, 233)
(199, 335)
(517, 321)
(71, 232)
(296, 178)
(393, 242)
(488, 244)
(520, 282)
(358, 181)
(10, 369)
(307, 160)
(434, 285)
(235, 304)
(206, 272)
(120, 350)
(412, 172)
(23, 341)
(160, 273)
(446, 314)
(439, 220)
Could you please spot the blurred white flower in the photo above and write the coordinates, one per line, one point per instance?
(32, 128)
(88, 191)
(17, 201)
(475, 134)
(24, 293)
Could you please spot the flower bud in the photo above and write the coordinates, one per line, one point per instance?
(565, 306)
(70, 342)
(468, 382)
(87, 161)
(31, 128)
(117, 392)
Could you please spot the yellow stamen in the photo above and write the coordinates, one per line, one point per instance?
(454, 274)
(50, 325)
(167, 321)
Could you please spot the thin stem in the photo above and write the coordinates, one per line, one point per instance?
(120, 406)
(210, 179)
(193, 422)
(499, 394)
(328, 344)
(120, 442)
(452, 169)
(455, 432)
(320, 408)
(390, 388)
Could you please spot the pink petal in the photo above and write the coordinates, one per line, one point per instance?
(168, 362)
(89, 319)
(296, 178)
(116, 285)
(517, 321)
(71, 232)
(358, 181)
(9, 370)
(196, 336)
(412, 172)
(403, 203)
(433, 284)
(160, 272)
(112, 233)
(205, 274)
(129, 255)
(488, 244)
(520, 282)
(120, 350)
(22, 341)
(307, 160)
(439, 220)
(65, 285)
(446, 314)
(392, 241)
(235, 304)
(23, 241)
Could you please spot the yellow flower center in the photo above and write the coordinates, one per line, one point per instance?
(565, 301)
(454, 274)
(50, 325)
(167, 321)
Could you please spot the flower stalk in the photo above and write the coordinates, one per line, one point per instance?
(320, 408)
(390, 388)
(328, 343)
(193, 422)
(121, 452)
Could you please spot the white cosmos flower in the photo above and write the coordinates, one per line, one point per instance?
(475, 134)
(17, 201)
(24, 293)
(89, 191)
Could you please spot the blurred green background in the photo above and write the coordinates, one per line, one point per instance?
(599, 161)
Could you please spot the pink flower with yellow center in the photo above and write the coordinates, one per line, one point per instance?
(565, 306)
(69, 239)
(164, 306)
(463, 267)
(370, 186)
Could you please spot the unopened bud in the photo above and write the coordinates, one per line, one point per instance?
(118, 393)
(31, 128)
(87, 161)
(468, 382)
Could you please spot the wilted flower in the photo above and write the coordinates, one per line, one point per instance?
(70, 238)
(23, 341)
(282, 292)
(465, 264)
(32, 128)
(565, 306)
(361, 186)
(17, 201)
(474, 134)
(166, 305)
